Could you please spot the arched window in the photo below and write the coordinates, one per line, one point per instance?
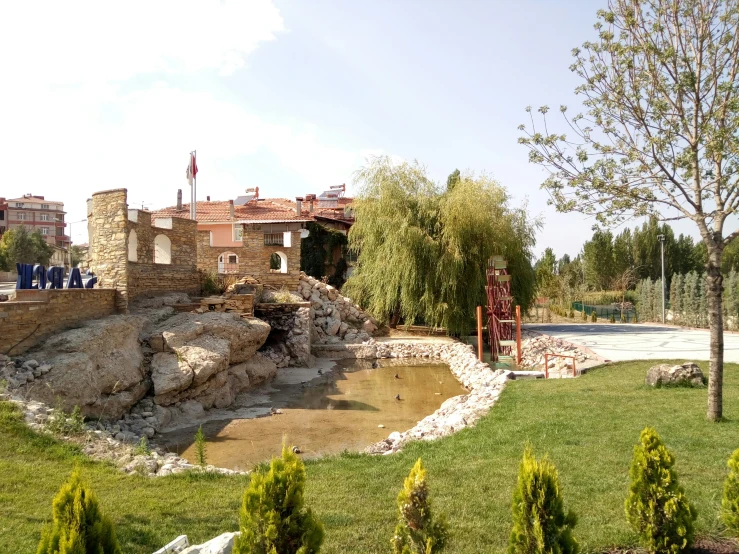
(133, 246)
(278, 262)
(162, 250)
(228, 262)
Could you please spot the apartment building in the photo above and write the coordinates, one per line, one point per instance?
(36, 214)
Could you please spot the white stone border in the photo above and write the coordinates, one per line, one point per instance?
(483, 383)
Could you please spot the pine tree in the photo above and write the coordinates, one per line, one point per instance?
(656, 506)
(730, 501)
(417, 531)
(540, 523)
(273, 517)
(78, 526)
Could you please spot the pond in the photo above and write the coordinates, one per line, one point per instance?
(346, 408)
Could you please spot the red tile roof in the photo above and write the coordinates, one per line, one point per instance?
(264, 211)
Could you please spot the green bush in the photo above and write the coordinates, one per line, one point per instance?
(78, 526)
(613, 318)
(61, 423)
(656, 506)
(273, 518)
(417, 531)
(594, 316)
(571, 314)
(730, 502)
(584, 315)
(209, 284)
(200, 447)
(143, 448)
(540, 523)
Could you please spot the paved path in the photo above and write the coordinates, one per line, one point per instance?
(621, 342)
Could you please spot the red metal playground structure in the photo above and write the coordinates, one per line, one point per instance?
(500, 319)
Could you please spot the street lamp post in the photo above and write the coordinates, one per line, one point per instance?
(661, 239)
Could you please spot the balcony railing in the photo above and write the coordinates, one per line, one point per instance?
(274, 239)
(227, 268)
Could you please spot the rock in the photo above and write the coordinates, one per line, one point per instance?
(192, 409)
(222, 544)
(259, 369)
(687, 373)
(206, 355)
(332, 326)
(369, 327)
(31, 364)
(169, 374)
(245, 336)
(91, 365)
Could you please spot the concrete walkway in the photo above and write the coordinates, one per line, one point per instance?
(622, 342)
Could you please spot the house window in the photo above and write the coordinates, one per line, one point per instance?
(44, 217)
(162, 250)
(278, 262)
(273, 239)
(228, 262)
(44, 230)
(44, 206)
(238, 233)
(19, 204)
(21, 216)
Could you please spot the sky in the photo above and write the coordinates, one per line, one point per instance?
(287, 95)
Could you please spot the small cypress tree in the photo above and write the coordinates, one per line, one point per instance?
(594, 316)
(730, 502)
(656, 506)
(273, 517)
(417, 531)
(200, 447)
(78, 526)
(540, 523)
(584, 315)
(613, 318)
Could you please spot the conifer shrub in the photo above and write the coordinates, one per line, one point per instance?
(613, 318)
(200, 447)
(273, 516)
(584, 315)
(730, 501)
(594, 316)
(417, 530)
(540, 523)
(656, 506)
(78, 526)
(571, 314)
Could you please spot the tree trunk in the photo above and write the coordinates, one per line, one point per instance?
(716, 323)
(395, 318)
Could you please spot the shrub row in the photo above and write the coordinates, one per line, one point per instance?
(274, 518)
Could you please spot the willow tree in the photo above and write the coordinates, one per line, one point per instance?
(660, 135)
(423, 248)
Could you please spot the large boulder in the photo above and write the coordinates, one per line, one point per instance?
(254, 371)
(675, 375)
(245, 336)
(195, 353)
(98, 367)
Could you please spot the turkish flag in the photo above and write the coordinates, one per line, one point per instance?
(193, 165)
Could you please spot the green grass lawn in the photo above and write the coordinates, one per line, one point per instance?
(588, 426)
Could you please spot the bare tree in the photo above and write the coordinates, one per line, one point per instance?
(661, 130)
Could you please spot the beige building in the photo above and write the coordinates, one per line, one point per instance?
(36, 214)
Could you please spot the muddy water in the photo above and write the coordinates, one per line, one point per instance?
(341, 409)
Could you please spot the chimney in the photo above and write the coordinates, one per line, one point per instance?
(311, 198)
(298, 205)
(230, 207)
(207, 198)
(179, 200)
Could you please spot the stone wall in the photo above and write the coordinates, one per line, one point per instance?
(256, 262)
(107, 223)
(113, 227)
(335, 317)
(40, 313)
(208, 255)
(289, 343)
(8, 276)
